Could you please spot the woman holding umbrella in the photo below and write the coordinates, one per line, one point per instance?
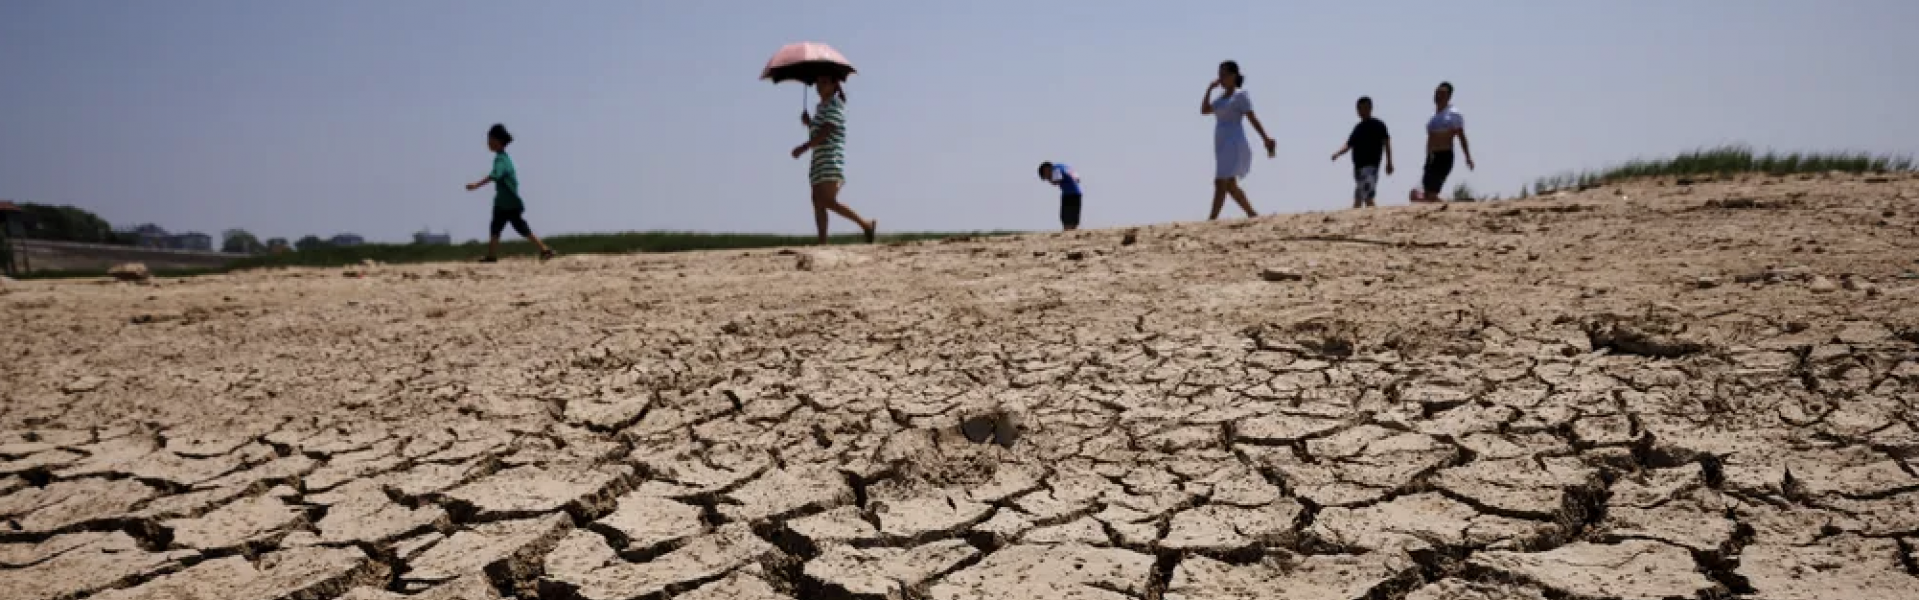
(828, 144)
(825, 69)
(1232, 154)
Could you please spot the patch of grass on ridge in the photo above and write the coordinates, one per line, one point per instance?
(590, 243)
(1728, 160)
(92, 274)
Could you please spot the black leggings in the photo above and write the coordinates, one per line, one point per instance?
(1438, 166)
(514, 217)
(1069, 210)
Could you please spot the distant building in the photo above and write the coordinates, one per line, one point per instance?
(13, 225)
(428, 238)
(346, 239)
(151, 236)
(13, 220)
(192, 240)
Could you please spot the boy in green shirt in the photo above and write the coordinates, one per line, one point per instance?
(507, 205)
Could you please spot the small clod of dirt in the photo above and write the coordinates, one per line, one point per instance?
(1328, 337)
(1646, 335)
(997, 427)
(1280, 274)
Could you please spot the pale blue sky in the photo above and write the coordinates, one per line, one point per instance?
(289, 117)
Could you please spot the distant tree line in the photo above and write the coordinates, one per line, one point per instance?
(74, 224)
(70, 224)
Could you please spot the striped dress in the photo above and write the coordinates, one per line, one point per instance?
(829, 157)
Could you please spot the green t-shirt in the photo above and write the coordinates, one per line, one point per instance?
(506, 184)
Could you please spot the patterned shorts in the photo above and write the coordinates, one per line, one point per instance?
(1366, 185)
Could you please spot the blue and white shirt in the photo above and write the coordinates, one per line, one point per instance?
(1066, 179)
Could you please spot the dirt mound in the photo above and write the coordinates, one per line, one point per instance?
(1654, 390)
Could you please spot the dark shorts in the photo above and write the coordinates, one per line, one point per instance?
(1439, 165)
(509, 216)
(1069, 210)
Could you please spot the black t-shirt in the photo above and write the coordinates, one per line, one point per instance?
(1368, 142)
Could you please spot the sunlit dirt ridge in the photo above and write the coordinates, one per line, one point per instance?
(1664, 389)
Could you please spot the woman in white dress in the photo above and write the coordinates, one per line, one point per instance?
(1232, 153)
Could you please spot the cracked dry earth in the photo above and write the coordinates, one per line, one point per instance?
(1660, 390)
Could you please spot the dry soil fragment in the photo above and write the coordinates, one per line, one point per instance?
(841, 525)
(1008, 480)
(932, 514)
(1216, 528)
(1853, 472)
(702, 559)
(1419, 521)
(278, 470)
(1005, 526)
(605, 415)
(1241, 486)
(1839, 567)
(432, 478)
(885, 572)
(1467, 420)
(349, 466)
(1670, 505)
(313, 572)
(208, 444)
(738, 586)
(693, 478)
(364, 513)
(109, 456)
(1632, 570)
(1897, 515)
(1329, 577)
(1064, 572)
(526, 491)
(343, 439)
(1084, 530)
(471, 445)
(1457, 589)
(500, 549)
(579, 553)
(45, 459)
(22, 443)
(408, 548)
(70, 503)
(72, 565)
(1541, 489)
(470, 587)
(1360, 465)
(643, 523)
(1048, 506)
(784, 492)
(160, 465)
(246, 521)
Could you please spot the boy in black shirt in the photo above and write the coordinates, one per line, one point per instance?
(1367, 142)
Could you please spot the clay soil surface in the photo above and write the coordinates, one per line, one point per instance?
(1654, 390)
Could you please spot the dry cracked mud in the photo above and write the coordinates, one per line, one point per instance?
(1646, 391)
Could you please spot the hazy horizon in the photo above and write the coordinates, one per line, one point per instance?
(359, 117)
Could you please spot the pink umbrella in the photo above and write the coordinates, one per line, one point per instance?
(805, 62)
